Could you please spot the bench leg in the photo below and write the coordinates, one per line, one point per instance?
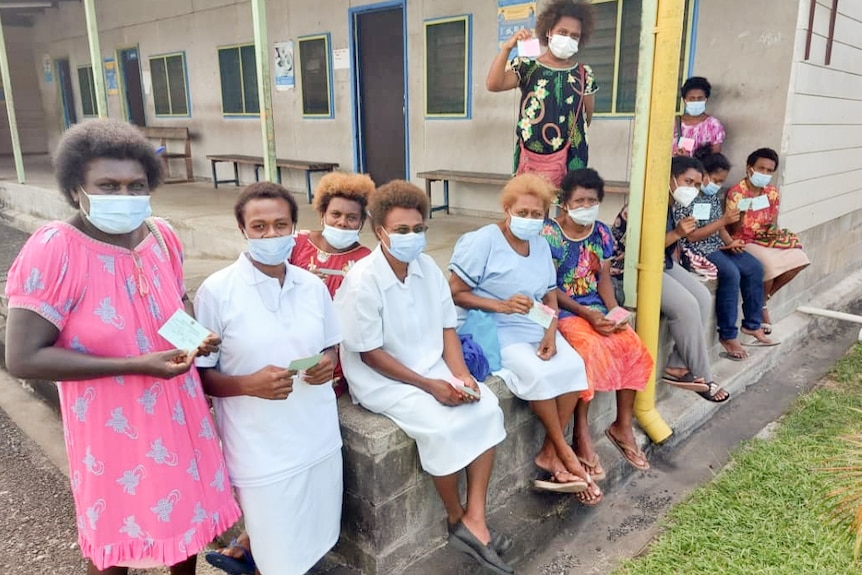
(308, 185)
(278, 174)
(190, 173)
(256, 173)
(446, 195)
(215, 175)
(430, 203)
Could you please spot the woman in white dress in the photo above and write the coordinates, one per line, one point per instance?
(279, 428)
(403, 359)
(506, 269)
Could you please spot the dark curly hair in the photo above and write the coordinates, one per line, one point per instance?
(264, 191)
(712, 162)
(396, 194)
(765, 153)
(556, 9)
(586, 178)
(97, 139)
(696, 83)
(681, 164)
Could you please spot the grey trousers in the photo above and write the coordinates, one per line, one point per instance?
(686, 304)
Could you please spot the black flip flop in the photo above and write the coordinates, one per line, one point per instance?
(731, 357)
(463, 540)
(686, 382)
(232, 565)
(714, 389)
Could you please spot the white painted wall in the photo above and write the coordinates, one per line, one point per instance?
(822, 145)
(23, 69)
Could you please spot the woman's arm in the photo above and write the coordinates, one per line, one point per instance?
(271, 382)
(499, 78)
(463, 296)
(453, 356)
(589, 108)
(30, 354)
(548, 345)
(606, 286)
(382, 362)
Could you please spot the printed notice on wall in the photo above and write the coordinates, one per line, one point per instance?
(111, 77)
(47, 69)
(512, 15)
(341, 59)
(284, 73)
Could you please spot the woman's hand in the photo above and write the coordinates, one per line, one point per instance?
(271, 382)
(518, 303)
(209, 345)
(468, 381)
(734, 247)
(731, 216)
(321, 373)
(444, 393)
(599, 322)
(163, 364)
(548, 346)
(685, 227)
(520, 35)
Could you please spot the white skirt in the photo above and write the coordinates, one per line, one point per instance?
(536, 379)
(294, 522)
(449, 438)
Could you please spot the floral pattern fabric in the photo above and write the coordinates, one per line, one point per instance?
(708, 244)
(753, 223)
(579, 263)
(710, 131)
(550, 101)
(309, 257)
(147, 472)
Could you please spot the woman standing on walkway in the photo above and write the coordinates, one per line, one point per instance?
(615, 358)
(506, 269)
(87, 298)
(778, 249)
(404, 360)
(557, 92)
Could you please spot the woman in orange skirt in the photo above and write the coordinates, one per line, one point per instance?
(615, 358)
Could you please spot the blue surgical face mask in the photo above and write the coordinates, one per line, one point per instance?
(710, 189)
(271, 251)
(760, 180)
(405, 247)
(695, 108)
(340, 238)
(117, 214)
(525, 228)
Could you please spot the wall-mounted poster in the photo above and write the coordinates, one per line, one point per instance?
(47, 69)
(285, 77)
(512, 15)
(111, 84)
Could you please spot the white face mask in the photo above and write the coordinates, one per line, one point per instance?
(685, 195)
(340, 238)
(116, 214)
(695, 108)
(585, 216)
(759, 180)
(563, 47)
(271, 251)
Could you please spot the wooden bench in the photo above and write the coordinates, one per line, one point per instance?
(491, 179)
(165, 135)
(257, 162)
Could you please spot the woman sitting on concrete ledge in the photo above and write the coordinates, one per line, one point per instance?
(403, 359)
(778, 249)
(506, 269)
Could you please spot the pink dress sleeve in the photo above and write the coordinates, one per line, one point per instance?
(40, 279)
(717, 134)
(176, 252)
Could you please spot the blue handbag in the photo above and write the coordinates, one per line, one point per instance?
(475, 358)
(482, 327)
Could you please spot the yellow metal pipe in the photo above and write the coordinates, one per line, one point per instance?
(663, 96)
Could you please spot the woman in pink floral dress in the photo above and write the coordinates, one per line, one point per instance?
(695, 128)
(86, 300)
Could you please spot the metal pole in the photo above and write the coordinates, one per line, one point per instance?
(662, 109)
(10, 106)
(96, 58)
(264, 88)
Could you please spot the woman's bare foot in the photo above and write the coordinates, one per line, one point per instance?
(236, 550)
(734, 349)
(592, 496)
(759, 335)
(555, 467)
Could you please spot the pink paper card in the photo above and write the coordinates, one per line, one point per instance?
(686, 144)
(618, 315)
(529, 48)
(459, 385)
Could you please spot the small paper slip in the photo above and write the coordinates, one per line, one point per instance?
(329, 272)
(305, 363)
(541, 314)
(701, 211)
(760, 202)
(529, 48)
(744, 204)
(618, 315)
(183, 332)
(686, 144)
(459, 385)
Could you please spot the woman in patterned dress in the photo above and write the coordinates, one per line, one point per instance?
(695, 128)
(86, 300)
(557, 92)
(614, 355)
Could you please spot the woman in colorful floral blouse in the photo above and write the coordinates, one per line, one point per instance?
(778, 249)
(557, 92)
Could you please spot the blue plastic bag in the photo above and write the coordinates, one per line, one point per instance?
(483, 328)
(475, 358)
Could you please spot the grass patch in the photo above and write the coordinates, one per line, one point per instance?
(765, 514)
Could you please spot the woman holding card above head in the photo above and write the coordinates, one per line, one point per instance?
(736, 270)
(695, 128)
(590, 319)
(778, 249)
(404, 360)
(557, 92)
(87, 300)
(271, 387)
(506, 269)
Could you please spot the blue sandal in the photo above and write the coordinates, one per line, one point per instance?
(232, 565)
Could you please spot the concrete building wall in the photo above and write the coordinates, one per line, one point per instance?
(25, 89)
(822, 145)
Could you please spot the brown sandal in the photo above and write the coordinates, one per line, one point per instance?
(631, 454)
(594, 467)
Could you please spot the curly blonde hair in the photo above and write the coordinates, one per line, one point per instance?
(347, 185)
(530, 185)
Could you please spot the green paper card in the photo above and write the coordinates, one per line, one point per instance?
(306, 363)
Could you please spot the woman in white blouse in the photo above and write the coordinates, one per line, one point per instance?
(403, 359)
